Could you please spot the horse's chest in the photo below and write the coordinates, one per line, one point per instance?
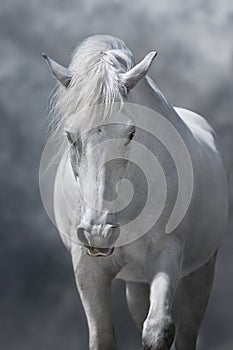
(134, 267)
(130, 273)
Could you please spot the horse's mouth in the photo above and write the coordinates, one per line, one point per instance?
(93, 251)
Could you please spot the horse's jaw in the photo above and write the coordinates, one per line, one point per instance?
(97, 252)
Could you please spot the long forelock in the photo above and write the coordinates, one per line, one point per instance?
(95, 67)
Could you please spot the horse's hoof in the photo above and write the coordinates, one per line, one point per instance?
(158, 336)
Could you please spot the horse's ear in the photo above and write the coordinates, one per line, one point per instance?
(62, 74)
(130, 78)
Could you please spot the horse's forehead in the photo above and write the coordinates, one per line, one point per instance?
(101, 134)
(116, 123)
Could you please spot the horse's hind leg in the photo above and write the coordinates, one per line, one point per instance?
(193, 293)
(137, 295)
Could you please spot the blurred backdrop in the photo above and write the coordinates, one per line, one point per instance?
(39, 305)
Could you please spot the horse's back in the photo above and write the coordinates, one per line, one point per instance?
(208, 211)
(203, 148)
(199, 127)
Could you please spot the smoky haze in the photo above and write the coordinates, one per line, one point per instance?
(40, 307)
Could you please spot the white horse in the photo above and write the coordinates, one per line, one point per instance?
(157, 264)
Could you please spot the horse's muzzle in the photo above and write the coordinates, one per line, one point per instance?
(95, 252)
(98, 240)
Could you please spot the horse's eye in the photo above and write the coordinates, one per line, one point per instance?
(131, 135)
(73, 153)
(70, 138)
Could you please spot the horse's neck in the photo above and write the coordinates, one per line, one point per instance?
(146, 93)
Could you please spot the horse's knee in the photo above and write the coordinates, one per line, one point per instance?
(158, 334)
(138, 301)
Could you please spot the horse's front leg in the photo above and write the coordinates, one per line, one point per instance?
(164, 269)
(94, 286)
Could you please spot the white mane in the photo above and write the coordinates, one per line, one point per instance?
(95, 66)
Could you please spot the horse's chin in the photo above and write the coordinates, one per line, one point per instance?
(97, 252)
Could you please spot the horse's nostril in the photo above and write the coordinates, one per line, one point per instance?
(102, 235)
(81, 235)
(115, 225)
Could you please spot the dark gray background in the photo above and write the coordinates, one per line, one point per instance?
(39, 305)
